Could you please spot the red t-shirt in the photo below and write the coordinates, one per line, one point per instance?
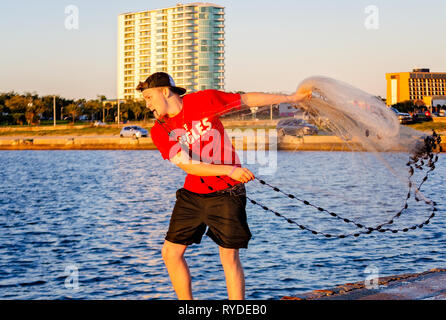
(202, 134)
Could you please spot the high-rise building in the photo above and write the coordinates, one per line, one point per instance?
(418, 85)
(186, 41)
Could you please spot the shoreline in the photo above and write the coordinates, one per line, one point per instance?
(428, 285)
(83, 136)
(112, 142)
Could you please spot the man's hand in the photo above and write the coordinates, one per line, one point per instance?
(299, 97)
(242, 175)
(182, 160)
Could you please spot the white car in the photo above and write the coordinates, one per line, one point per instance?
(99, 123)
(133, 132)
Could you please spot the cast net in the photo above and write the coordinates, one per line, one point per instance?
(375, 184)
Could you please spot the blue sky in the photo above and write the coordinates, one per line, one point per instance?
(270, 45)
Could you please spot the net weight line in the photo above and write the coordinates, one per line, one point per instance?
(425, 153)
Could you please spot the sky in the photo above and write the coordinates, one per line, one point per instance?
(270, 45)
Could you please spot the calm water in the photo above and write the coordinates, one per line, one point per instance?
(104, 214)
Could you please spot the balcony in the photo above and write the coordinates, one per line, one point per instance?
(189, 29)
(190, 63)
(129, 36)
(144, 41)
(144, 22)
(190, 23)
(178, 18)
(190, 50)
(190, 10)
(190, 37)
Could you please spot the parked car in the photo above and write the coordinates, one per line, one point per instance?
(99, 123)
(134, 132)
(402, 117)
(295, 127)
(422, 116)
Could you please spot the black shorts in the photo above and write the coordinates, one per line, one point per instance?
(223, 212)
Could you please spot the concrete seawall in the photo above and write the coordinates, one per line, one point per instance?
(75, 143)
(429, 285)
(306, 143)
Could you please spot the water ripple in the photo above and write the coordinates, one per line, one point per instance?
(100, 217)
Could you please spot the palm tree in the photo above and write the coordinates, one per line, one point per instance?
(74, 110)
(33, 111)
(17, 104)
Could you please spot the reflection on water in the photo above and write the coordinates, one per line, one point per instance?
(106, 214)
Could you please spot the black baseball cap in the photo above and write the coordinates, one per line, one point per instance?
(160, 79)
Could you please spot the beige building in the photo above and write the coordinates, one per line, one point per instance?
(186, 41)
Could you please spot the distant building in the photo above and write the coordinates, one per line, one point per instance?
(186, 41)
(418, 85)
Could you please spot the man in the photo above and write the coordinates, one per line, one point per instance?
(188, 132)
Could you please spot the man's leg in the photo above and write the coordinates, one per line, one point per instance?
(173, 256)
(235, 278)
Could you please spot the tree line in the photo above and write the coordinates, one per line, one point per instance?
(31, 109)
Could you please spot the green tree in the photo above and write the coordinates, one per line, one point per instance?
(147, 114)
(405, 106)
(47, 102)
(17, 107)
(92, 107)
(34, 109)
(74, 110)
(125, 110)
(102, 98)
(17, 104)
(136, 108)
(108, 106)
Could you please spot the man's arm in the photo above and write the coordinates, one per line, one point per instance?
(197, 168)
(259, 99)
